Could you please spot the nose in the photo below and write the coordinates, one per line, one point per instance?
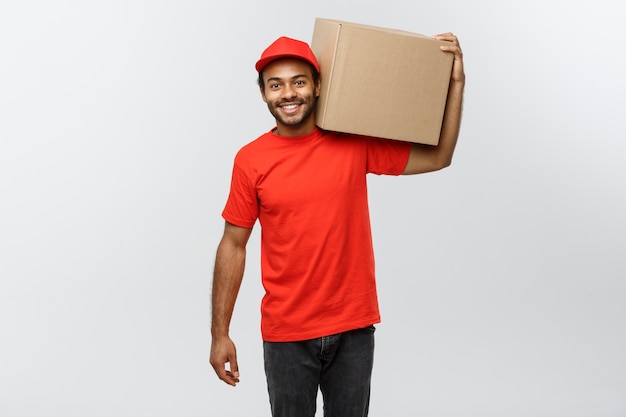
(289, 91)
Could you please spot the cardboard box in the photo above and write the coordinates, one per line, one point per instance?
(380, 82)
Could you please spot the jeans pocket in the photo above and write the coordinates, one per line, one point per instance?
(369, 329)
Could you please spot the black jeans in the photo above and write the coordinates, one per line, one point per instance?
(340, 365)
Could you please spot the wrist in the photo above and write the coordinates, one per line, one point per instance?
(219, 331)
(458, 82)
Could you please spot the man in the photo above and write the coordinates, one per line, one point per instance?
(307, 187)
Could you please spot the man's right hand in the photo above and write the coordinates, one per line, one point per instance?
(222, 352)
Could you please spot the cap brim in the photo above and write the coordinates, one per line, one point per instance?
(262, 63)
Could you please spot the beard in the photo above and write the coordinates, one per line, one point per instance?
(307, 107)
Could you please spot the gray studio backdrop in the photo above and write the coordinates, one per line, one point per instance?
(501, 278)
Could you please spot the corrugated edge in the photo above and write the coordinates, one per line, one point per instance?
(326, 34)
(446, 91)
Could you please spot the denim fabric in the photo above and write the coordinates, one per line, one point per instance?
(340, 365)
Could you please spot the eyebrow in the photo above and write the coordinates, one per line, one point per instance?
(281, 79)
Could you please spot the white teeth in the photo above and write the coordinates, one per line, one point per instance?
(290, 107)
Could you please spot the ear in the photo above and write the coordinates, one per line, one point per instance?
(262, 90)
(318, 87)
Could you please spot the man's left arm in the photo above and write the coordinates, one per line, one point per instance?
(427, 158)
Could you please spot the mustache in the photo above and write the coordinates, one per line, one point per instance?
(290, 101)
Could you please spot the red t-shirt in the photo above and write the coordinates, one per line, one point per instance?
(310, 196)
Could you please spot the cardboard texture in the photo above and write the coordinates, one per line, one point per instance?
(380, 82)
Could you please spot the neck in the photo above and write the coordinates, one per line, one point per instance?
(292, 131)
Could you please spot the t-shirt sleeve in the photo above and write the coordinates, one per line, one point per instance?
(242, 207)
(385, 156)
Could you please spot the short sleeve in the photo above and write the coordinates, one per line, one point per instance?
(387, 157)
(242, 206)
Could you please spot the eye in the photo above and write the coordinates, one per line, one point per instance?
(274, 86)
(300, 82)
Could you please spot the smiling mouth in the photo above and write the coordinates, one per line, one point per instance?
(290, 108)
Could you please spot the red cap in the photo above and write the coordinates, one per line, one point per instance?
(284, 47)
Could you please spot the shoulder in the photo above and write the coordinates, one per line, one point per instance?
(342, 137)
(365, 141)
(256, 145)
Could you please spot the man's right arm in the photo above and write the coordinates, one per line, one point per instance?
(229, 267)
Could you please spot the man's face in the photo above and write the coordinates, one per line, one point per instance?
(290, 94)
